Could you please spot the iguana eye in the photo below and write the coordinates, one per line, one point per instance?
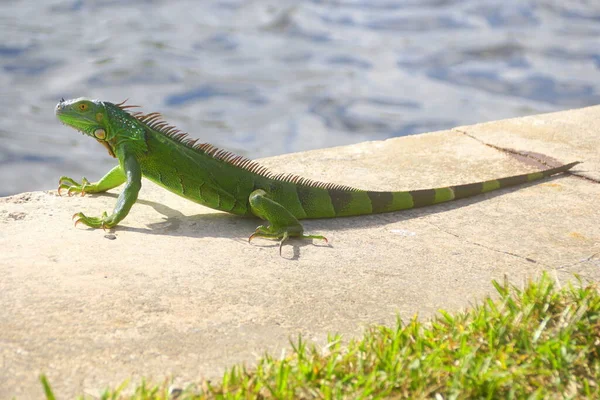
(100, 133)
(83, 107)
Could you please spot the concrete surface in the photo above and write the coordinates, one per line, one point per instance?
(177, 291)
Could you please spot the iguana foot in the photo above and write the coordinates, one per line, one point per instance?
(73, 186)
(104, 222)
(282, 234)
(282, 223)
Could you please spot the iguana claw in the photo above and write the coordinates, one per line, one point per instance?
(73, 186)
(267, 233)
(103, 222)
(257, 232)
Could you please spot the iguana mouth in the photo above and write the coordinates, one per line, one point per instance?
(102, 142)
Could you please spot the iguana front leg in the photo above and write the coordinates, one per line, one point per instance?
(112, 179)
(131, 173)
(282, 224)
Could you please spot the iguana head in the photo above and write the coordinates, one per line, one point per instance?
(90, 117)
(85, 115)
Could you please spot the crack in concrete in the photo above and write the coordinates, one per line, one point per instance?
(562, 268)
(584, 260)
(535, 158)
(508, 253)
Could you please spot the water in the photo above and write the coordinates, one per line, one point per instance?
(266, 77)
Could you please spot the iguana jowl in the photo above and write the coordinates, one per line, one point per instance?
(147, 146)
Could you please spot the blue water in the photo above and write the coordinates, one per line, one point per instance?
(262, 77)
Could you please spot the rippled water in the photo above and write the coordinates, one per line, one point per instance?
(268, 77)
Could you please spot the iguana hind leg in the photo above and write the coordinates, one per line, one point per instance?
(282, 224)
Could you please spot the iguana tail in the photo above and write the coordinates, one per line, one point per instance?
(354, 203)
(320, 200)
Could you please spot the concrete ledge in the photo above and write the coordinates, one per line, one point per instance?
(176, 290)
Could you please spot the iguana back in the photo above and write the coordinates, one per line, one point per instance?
(238, 177)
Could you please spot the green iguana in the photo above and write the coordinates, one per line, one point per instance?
(147, 146)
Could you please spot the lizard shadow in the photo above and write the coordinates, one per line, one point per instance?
(223, 225)
(213, 224)
(175, 223)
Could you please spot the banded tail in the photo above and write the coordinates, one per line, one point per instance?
(354, 203)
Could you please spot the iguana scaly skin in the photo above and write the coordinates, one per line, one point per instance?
(147, 146)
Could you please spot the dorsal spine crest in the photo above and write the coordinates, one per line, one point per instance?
(155, 122)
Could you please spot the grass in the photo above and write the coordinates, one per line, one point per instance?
(537, 342)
